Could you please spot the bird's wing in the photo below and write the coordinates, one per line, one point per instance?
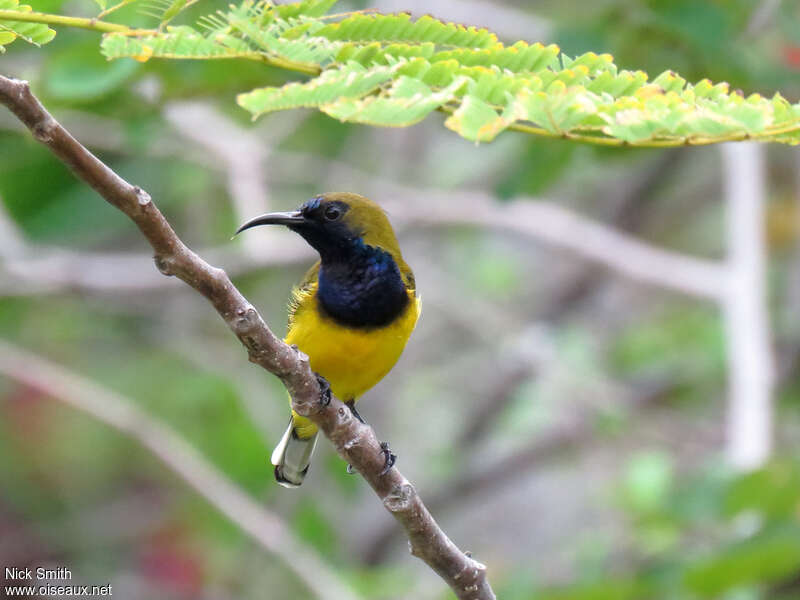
(408, 277)
(303, 292)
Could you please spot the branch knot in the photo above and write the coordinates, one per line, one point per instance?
(44, 129)
(165, 264)
(247, 318)
(141, 196)
(400, 498)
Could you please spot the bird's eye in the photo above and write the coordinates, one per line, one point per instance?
(332, 212)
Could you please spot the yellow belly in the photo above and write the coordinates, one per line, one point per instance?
(352, 360)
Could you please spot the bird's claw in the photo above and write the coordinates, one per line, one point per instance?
(351, 404)
(389, 458)
(324, 390)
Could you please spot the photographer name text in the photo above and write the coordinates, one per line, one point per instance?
(27, 575)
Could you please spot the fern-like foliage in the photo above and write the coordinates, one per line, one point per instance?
(33, 33)
(392, 70)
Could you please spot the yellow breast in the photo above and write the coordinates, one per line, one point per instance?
(352, 360)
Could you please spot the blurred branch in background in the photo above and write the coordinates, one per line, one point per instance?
(115, 411)
(762, 15)
(751, 369)
(582, 236)
(12, 240)
(242, 154)
(571, 435)
(541, 220)
(628, 215)
(47, 270)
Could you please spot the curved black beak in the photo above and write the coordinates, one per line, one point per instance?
(294, 217)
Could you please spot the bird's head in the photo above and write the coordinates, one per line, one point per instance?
(334, 223)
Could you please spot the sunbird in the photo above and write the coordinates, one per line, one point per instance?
(352, 314)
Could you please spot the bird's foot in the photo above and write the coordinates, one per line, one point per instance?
(388, 458)
(324, 390)
(351, 404)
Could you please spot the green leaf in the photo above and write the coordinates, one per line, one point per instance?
(558, 109)
(408, 101)
(773, 491)
(172, 10)
(518, 58)
(400, 28)
(352, 81)
(178, 42)
(476, 120)
(6, 37)
(278, 39)
(308, 8)
(393, 70)
(37, 34)
(768, 557)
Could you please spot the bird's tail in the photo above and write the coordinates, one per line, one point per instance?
(292, 457)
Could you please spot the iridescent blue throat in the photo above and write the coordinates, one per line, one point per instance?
(360, 286)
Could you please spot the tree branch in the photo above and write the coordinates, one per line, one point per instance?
(121, 414)
(751, 368)
(571, 435)
(354, 441)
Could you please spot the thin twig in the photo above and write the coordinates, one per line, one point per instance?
(354, 441)
(120, 413)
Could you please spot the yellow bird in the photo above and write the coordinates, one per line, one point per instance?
(352, 314)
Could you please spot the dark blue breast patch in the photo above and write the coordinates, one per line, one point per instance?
(362, 288)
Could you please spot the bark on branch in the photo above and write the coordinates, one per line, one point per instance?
(354, 441)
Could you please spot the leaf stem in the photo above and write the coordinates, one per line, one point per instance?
(114, 8)
(290, 65)
(96, 24)
(671, 142)
(80, 22)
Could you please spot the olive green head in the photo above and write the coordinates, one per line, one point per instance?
(334, 221)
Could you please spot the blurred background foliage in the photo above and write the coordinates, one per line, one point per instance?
(610, 393)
